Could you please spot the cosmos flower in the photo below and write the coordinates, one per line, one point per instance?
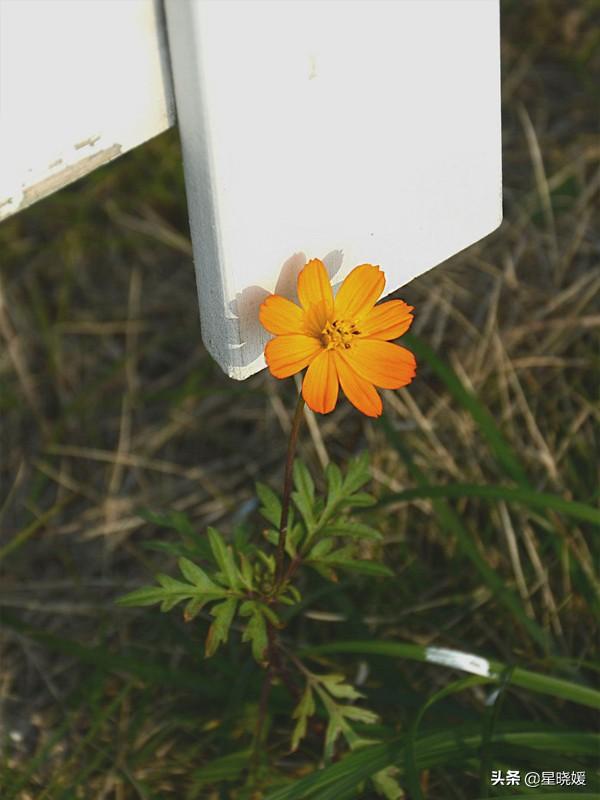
(343, 340)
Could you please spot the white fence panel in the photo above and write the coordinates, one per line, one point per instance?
(355, 132)
(81, 81)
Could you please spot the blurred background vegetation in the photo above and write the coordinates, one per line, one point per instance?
(111, 406)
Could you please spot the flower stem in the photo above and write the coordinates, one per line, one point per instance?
(260, 721)
(287, 490)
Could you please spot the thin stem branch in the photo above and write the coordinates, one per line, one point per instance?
(274, 667)
(287, 490)
(260, 721)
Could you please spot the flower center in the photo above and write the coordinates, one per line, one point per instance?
(338, 333)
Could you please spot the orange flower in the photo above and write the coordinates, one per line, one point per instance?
(343, 340)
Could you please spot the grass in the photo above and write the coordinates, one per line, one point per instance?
(118, 430)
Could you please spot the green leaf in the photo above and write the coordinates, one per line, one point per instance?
(223, 556)
(294, 535)
(193, 608)
(144, 596)
(291, 596)
(335, 727)
(323, 570)
(359, 714)
(219, 630)
(272, 536)
(332, 686)
(336, 686)
(343, 492)
(385, 783)
(357, 474)
(322, 548)
(355, 530)
(241, 534)
(342, 553)
(270, 615)
(267, 560)
(334, 480)
(174, 591)
(247, 608)
(359, 500)
(304, 496)
(247, 572)
(304, 710)
(303, 481)
(172, 584)
(271, 504)
(359, 565)
(170, 591)
(180, 523)
(195, 575)
(255, 631)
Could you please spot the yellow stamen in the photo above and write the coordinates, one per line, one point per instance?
(338, 334)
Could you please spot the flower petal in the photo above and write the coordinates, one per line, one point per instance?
(316, 318)
(387, 365)
(314, 287)
(279, 315)
(286, 355)
(321, 385)
(359, 292)
(359, 392)
(388, 320)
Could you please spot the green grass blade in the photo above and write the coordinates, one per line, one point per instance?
(453, 524)
(224, 768)
(24, 535)
(484, 420)
(450, 747)
(412, 772)
(519, 495)
(490, 718)
(469, 662)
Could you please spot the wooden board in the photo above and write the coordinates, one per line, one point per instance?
(81, 81)
(359, 131)
(350, 131)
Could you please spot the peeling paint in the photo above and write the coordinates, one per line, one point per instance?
(69, 174)
(89, 142)
(55, 163)
(7, 202)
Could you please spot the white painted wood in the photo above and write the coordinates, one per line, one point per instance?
(351, 131)
(81, 81)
